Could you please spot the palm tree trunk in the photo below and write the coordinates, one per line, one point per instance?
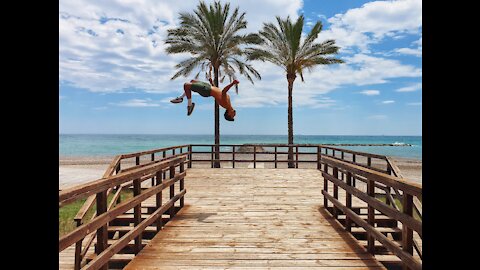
(291, 164)
(217, 123)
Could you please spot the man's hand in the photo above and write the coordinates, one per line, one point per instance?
(211, 82)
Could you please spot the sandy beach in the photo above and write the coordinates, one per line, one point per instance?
(76, 170)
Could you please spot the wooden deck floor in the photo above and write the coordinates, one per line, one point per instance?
(253, 218)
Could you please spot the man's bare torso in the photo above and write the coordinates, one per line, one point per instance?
(222, 100)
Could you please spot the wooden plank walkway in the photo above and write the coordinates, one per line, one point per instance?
(253, 218)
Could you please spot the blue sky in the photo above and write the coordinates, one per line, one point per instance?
(115, 74)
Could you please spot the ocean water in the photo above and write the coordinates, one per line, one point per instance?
(82, 145)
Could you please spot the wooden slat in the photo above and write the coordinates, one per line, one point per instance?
(256, 219)
(113, 165)
(85, 207)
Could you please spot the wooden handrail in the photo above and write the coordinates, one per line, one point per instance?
(410, 191)
(410, 187)
(313, 150)
(142, 153)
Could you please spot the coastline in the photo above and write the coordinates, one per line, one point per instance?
(74, 170)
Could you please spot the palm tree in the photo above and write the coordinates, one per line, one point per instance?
(211, 37)
(283, 46)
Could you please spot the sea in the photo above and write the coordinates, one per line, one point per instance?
(88, 145)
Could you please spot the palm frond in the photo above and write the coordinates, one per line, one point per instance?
(211, 34)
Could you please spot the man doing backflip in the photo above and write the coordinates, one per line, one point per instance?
(208, 90)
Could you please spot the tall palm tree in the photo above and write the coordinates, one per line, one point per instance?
(210, 35)
(284, 47)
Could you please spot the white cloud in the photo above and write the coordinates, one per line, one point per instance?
(370, 92)
(414, 104)
(388, 101)
(370, 23)
(409, 51)
(412, 51)
(107, 46)
(410, 88)
(136, 103)
(127, 50)
(418, 42)
(377, 117)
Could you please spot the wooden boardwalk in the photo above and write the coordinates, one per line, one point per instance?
(253, 218)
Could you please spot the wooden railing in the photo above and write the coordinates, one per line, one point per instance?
(313, 155)
(373, 180)
(127, 162)
(278, 153)
(106, 213)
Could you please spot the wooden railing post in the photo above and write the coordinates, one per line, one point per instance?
(343, 155)
(348, 203)
(153, 178)
(333, 152)
(407, 233)
(102, 232)
(117, 187)
(137, 160)
(211, 157)
(254, 156)
(190, 156)
(369, 162)
(78, 250)
(335, 191)
(158, 200)
(137, 215)
(389, 169)
(276, 159)
(371, 216)
(354, 159)
(164, 172)
(325, 186)
(172, 191)
(233, 156)
(319, 158)
(182, 185)
(296, 158)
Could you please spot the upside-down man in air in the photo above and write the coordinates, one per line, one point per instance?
(207, 90)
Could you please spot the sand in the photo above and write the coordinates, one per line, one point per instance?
(76, 170)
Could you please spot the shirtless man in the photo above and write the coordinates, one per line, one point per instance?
(207, 90)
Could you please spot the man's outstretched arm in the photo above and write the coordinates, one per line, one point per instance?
(225, 90)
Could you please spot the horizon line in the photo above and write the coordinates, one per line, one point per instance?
(238, 134)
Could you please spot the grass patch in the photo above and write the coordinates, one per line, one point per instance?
(383, 198)
(68, 212)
